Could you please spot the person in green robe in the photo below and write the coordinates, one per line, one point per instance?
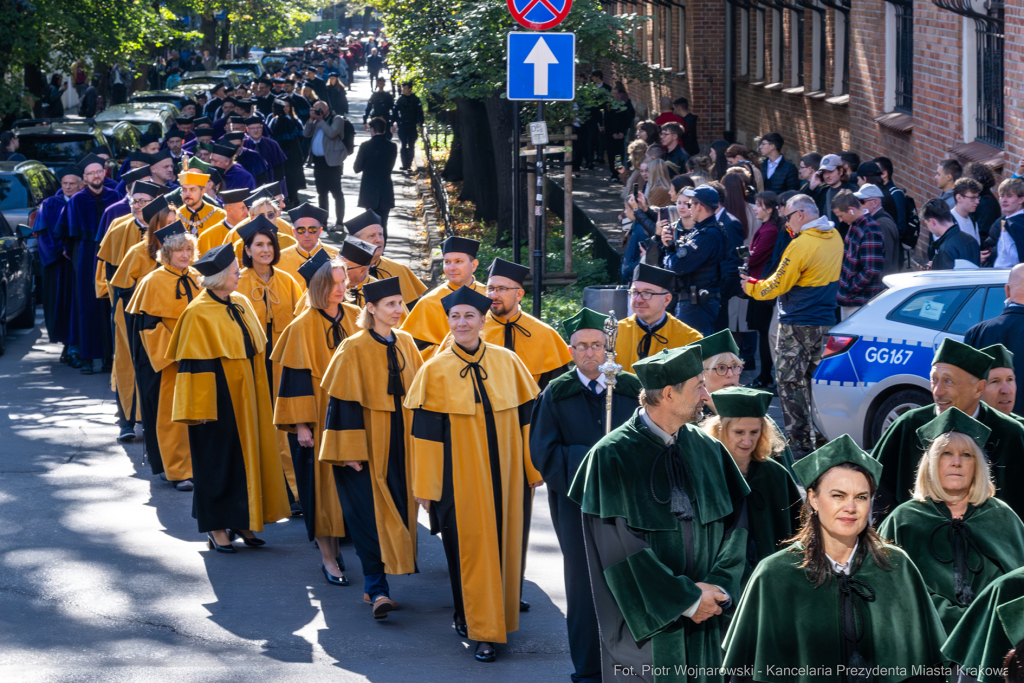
(722, 368)
(960, 537)
(771, 513)
(1001, 384)
(989, 629)
(661, 502)
(839, 601)
(957, 380)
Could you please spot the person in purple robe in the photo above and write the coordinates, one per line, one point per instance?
(249, 159)
(271, 152)
(121, 207)
(79, 229)
(57, 270)
(223, 157)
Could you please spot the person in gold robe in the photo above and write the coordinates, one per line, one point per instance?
(308, 222)
(223, 396)
(366, 226)
(261, 203)
(428, 323)
(358, 255)
(196, 214)
(122, 235)
(235, 211)
(274, 295)
(651, 328)
(303, 351)
(471, 429)
(368, 438)
(159, 300)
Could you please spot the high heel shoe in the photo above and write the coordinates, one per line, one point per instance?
(461, 627)
(251, 542)
(333, 580)
(485, 652)
(212, 545)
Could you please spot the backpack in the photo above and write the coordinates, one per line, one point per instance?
(913, 227)
(349, 136)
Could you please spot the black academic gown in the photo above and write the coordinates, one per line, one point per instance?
(568, 419)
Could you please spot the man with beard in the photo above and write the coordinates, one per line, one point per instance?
(196, 214)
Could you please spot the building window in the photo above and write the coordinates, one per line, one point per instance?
(744, 63)
(904, 94)
(680, 11)
(777, 46)
(841, 53)
(760, 46)
(796, 44)
(818, 52)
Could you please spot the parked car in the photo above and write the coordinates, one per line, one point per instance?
(59, 142)
(122, 139)
(147, 117)
(875, 364)
(17, 291)
(273, 62)
(208, 79)
(242, 67)
(177, 96)
(23, 187)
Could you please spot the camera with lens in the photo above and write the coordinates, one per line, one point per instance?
(744, 253)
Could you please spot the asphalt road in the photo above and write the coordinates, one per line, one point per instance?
(103, 576)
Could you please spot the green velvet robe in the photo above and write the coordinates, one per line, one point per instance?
(786, 630)
(979, 643)
(644, 563)
(899, 450)
(995, 529)
(772, 511)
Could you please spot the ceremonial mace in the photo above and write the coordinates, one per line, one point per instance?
(609, 367)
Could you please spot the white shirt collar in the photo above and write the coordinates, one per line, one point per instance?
(602, 381)
(669, 439)
(1016, 214)
(772, 165)
(845, 567)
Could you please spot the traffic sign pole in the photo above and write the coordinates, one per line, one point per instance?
(516, 184)
(538, 224)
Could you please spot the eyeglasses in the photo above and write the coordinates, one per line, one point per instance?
(723, 370)
(303, 231)
(596, 347)
(500, 290)
(785, 216)
(645, 296)
(141, 202)
(970, 197)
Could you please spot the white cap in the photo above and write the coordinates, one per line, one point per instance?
(869, 191)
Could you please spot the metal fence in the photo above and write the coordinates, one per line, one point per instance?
(437, 184)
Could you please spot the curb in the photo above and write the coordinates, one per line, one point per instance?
(431, 226)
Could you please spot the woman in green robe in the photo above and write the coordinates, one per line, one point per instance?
(960, 537)
(771, 513)
(991, 626)
(840, 603)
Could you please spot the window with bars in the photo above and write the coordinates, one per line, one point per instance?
(904, 56)
(796, 42)
(760, 45)
(991, 43)
(819, 58)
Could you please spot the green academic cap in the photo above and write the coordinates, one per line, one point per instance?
(965, 357)
(741, 402)
(719, 342)
(197, 164)
(585, 319)
(1011, 616)
(669, 368)
(953, 420)
(1003, 356)
(835, 452)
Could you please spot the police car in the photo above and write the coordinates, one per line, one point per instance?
(875, 364)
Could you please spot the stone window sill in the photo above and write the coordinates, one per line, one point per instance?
(840, 101)
(775, 86)
(815, 95)
(993, 157)
(799, 90)
(896, 121)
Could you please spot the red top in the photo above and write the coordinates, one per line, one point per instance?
(667, 116)
(761, 248)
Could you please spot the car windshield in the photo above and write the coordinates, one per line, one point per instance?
(55, 148)
(273, 63)
(14, 193)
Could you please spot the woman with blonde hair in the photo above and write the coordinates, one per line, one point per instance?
(658, 190)
(738, 156)
(637, 152)
(958, 534)
(773, 507)
(303, 352)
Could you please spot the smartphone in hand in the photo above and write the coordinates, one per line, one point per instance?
(663, 213)
(636, 189)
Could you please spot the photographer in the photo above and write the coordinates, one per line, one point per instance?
(329, 151)
(831, 177)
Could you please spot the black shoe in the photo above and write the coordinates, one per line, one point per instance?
(341, 562)
(64, 357)
(333, 580)
(87, 368)
(761, 383)
(108, 365)
(461, 627)
(186, 485)
(524, 606)
(74, 361)
(163, 476)
(212, 545)
(484, 652)
(296, 509)
(127, 434)
(251, 542)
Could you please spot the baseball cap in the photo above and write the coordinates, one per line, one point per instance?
(705, 194)
(868, 191)
(830, 162)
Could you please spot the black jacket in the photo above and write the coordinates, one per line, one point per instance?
(408, 111)
(784, 179)
(953, 245)
(376, 161)
(336, 98)
(1007, 329)
(689, 141)
(380, 104)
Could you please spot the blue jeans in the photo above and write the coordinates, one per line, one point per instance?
(631, 257)
(376, 584)
(700, 318)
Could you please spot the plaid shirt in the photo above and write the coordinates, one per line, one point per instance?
(863, 260)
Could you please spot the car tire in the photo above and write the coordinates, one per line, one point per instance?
(895, 406)
(26, 320)
(3, 321)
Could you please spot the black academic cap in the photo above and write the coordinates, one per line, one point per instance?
(256, 196)
(204, 132)
(174, 133)
(184, 120)
(363, 220)
(141, 156)
(202, 121)
(188, 102)
(70, 169)
(89, 160)
(253, 120)
(160, 156)
(261, 222)
(154, 207)
(273, 187)
(236, 119)
(380, 289)
(175, 228)
(147, 139)
(513, 271)
(314, 263)
(135, 174)
(461, 245)
(101, 149)
(215, 260)
(359, 252)
(466, 295)
(281, 103)
(219, 86)
(307, 210)
(652, 275)
(152, 189)
(228, 151)
(246, 103)
(233, 196)
(230, 137)
(216, 175)
(280, 81)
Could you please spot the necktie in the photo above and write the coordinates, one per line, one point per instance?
(595, 386)
(183, 281)
(396, 364)
(335, 333)
(511, 327)
(235, 313)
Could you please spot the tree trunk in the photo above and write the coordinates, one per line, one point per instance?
(453, 167)
(367, 14)
(225, 38)
(478, 159)
(499, 116)
(208, 27)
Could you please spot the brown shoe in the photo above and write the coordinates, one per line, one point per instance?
(366, 599)
(382, 605)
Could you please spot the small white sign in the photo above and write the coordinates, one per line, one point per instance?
(932, 310)
(539, 132)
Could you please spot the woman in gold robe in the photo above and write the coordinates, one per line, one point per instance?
(367, 436)
(274, 295)
(222, 394)
(304, 351)
(472, 469)
(159, 300)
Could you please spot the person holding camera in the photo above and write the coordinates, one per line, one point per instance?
(697, 258)
(329, 151)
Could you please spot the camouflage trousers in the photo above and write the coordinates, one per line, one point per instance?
(798, 353)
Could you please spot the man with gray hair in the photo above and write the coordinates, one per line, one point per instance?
(807, 284)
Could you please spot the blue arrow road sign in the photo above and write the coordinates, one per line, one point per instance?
(541, 66)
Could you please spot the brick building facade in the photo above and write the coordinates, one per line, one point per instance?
(908, 87)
